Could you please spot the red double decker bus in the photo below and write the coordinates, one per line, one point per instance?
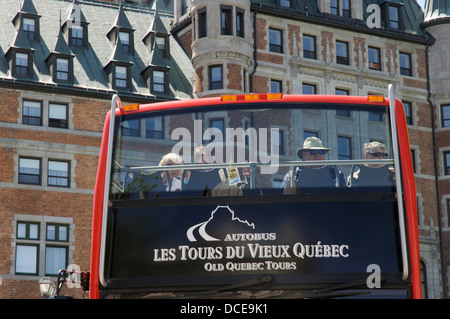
(259, 195)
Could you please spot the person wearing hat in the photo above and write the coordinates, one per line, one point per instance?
(315, 176)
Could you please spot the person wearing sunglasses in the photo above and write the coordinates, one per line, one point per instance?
(374, 175)
(312, 177)
(375, 150)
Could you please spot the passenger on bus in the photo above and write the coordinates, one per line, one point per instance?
(173, 183)
(203, 180)
(376, 175)
(313, 177)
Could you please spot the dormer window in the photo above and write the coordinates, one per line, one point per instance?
(394, 20)
(346, 9)
(184, 7)
(162, 44)
(62, 69)
(392, 15)
(22, 64)
(76, 36)
(29, 27)
(121, 77)
(124, 38)
(334, 7)
(27, 20)
(340, 8)
(158, 81)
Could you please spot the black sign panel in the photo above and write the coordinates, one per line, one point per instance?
(194, 241)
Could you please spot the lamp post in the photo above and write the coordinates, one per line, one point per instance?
(46, 287)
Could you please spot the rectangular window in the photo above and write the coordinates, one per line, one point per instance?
(344, 148)
(346, 9)
(131, 128)
(58, 173)
(408, 112)
(405, 64)
(32, 113)
(161, 43)
(445, 115)
(57, 232)
(29, 171)
(307, 134)
(218, 124)
(275, 40)
(215, 77)
(413, 157)
(448, 212)
(285, 3)
(28, 230)
(342, 53)
(309, 47)
(62, 69)
(275, 86)
(57, 115)
(374, 59)
(394, 17)
(334, 7)
(240, 23)
(308, 88)
(281, 143)
(29, 27)
(154, 127)
(159, 81)
(226, 27)
(27, 259)
(55, 259)
(343, 112)
(375, 116)
(77, 36)
(202, 23)
(447, 163)
(121, 77)
(125, 41)
(21, 64)
(184, 6)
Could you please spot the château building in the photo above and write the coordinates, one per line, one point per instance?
(62, 60)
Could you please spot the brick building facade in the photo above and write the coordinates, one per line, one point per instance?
(56, 88)
(61, 63)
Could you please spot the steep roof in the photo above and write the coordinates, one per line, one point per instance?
(308, 10)
(89, 62)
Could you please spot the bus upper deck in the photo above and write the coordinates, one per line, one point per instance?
(205, 194)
